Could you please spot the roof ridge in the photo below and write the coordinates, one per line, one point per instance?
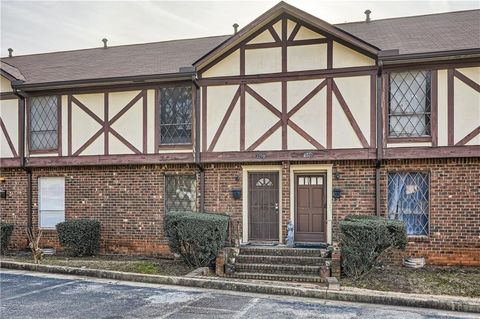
(408, 17)
(3, 59)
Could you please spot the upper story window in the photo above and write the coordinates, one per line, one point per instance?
(43, 123)
(175, 115)
(409, 112)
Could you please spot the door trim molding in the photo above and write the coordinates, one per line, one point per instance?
(259, 168)
(313, 168)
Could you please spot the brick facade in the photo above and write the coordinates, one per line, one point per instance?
(128, 201)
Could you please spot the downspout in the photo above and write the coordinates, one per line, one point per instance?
(21, 152)
(197, 155)
(378, 162)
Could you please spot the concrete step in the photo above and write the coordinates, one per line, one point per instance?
(283, 251)
(278, 269)
(281, 260)
(276, 277)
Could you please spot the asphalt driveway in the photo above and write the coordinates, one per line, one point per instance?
(35, 295)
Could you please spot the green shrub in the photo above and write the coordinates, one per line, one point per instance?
(197, 237)
(79, 237)
(365, 238)
(5, 233)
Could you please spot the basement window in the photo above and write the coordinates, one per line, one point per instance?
(43, 123)
(180, 193)
(410, 104)
(175, 115)
(408, 200)
(51, 201)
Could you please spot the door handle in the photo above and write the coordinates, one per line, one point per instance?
(276, 208)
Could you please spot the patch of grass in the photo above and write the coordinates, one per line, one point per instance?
(459, 281)
(152, 266)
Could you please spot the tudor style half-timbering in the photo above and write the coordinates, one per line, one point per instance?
(291, 120)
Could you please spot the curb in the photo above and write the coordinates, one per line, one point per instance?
(346, 294)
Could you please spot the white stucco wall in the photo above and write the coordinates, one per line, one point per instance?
(467, 106)
(5, 85)
(307, 57)
(345, 57)
(9, 115)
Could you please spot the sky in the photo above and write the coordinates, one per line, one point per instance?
(45, 26)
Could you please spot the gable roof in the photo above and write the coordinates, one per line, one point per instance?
(451, 31)
(447, 31)
(276, 11)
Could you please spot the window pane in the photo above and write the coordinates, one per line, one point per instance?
(51, 194)
(49, 219)
(180, 193)
(408, 200)
(43, 123)
(409, 110)
(176, 115)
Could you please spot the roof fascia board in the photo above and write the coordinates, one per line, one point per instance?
(390, 58)
(142, 79)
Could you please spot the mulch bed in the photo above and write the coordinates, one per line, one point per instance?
(459, 281)
(153, 266)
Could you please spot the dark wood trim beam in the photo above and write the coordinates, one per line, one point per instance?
(306, 42)
(373, 112)
(297, 155)
(145, 120)
(274, 33)
(204, 119)
(350, 117)
(434, 106)
(242, 117)
(87, 110)
(10, 162)
(450, 106)
(229, 111)
(305, 135)
(431, 152)
(59, 125)
(295, 30)
(126, 108)
(284, 116)
(469, 137)
(262, 101)
(124, 141)
(7, 137)
(106, 126)
(329, 132)
(266, 135)
(474, 85)
(130, 159)
(88, 142)
(288, 76)
(156, 112)
(307, 98)
(69, 133)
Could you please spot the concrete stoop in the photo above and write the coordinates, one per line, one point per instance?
(281, 264)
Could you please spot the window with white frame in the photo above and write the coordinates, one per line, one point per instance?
(51, 201)
(410, 106)
(43, 123)
(408, 200)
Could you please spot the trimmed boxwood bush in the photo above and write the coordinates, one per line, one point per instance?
(197, 237)
(79, 237)
(365, 238)
(5, 233)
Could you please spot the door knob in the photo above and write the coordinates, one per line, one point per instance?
(276, 207)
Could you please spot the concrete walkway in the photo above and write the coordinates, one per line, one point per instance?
(38, 295)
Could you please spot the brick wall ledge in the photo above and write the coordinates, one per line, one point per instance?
(442, 302)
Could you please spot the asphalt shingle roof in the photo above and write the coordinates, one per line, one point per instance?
(417, 34)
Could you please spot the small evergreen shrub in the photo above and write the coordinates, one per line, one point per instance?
(79, 237)
(5, 233)
(197, 237)
(365, 238)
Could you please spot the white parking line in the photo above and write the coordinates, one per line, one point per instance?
(39, 290)
(249, 306)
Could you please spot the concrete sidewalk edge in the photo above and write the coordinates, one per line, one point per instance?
(441, 302)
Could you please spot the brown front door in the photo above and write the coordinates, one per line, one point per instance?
(263, 206)
(310, 208)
